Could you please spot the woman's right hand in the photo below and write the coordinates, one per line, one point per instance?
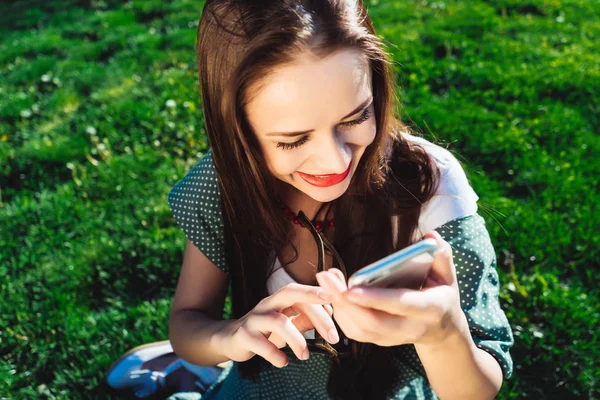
(272, 324)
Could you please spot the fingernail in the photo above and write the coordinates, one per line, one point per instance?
(305, 354)
(324, 294)
(333, 336)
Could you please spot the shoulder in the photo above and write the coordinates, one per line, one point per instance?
(195, 203)
(443, 158)
(454, 198)
(198, 189)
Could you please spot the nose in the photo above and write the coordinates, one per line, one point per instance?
(332, 156)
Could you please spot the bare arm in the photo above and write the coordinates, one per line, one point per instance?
(196, 313)
(460, 370)
(199, 335)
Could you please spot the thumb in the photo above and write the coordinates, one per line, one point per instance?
(442, 270)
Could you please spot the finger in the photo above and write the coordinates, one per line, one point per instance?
(330, 282)
(324, 284)
(303, 323)
(350, 316)
(370, 325)
(291, 294)
(290, 311)
(300, 321)
(340, 276)
(256, 343)
(275, 322)
(442, 269)
(321, 320)
(277, 340)
(430, 283)
(392, 301)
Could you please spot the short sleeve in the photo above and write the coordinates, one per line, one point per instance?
(454, 198)
(195, 203)
(475, 261)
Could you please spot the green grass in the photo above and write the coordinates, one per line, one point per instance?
(89, 149)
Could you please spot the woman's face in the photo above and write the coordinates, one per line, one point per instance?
(314, 119)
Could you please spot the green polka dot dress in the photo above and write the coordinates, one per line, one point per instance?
(194, 202)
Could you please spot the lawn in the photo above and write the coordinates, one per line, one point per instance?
(100, 116)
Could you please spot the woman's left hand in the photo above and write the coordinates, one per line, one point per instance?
(391, 317)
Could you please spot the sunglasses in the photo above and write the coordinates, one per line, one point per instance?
(343, 348)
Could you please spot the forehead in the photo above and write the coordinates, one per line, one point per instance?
(308, 91)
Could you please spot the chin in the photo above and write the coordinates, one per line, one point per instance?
(327, 194)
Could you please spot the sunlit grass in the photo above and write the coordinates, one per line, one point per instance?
(100, 115)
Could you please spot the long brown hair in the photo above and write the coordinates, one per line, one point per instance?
(239, 43)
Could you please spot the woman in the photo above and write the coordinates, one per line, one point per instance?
(306, 156)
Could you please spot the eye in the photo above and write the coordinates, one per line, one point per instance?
(363, 117)
(290, 146)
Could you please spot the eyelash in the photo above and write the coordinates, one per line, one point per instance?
(289, 146)
(363, 117)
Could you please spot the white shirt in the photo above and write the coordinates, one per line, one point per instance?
(454, 198)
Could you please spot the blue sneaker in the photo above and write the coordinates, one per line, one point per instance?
(143, 370)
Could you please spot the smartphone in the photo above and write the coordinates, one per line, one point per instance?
(406, 268)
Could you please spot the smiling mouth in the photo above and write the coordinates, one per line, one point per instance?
(326, 180)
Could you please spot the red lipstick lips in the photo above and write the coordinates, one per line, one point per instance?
(325, 180)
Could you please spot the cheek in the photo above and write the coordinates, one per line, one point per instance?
(277, 162)
(364, 134)
(282, 164)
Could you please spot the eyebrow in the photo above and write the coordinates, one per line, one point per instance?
(361, 106)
